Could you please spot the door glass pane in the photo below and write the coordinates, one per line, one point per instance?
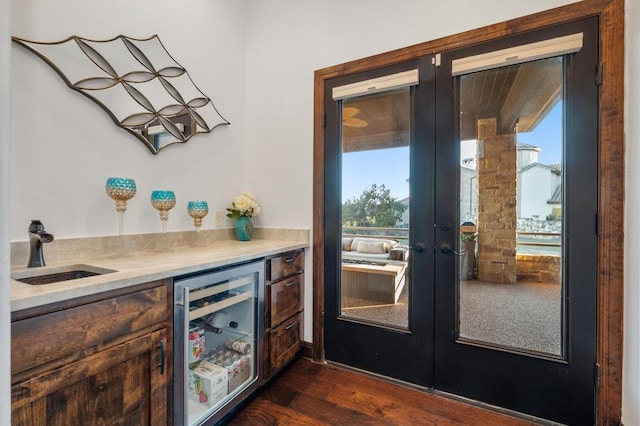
(511, 204)
(375, 208)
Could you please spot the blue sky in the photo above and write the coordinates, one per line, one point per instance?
(548, 136)
(391, 166)
(382, 166)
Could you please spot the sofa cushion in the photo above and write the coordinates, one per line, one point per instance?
(388, 244)
(346, 244)
(376, 247)
(354, 255)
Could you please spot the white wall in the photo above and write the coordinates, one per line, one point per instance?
(64, 146)
(5, 307)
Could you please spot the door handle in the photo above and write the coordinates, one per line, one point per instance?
(445, 248)
(419, 247)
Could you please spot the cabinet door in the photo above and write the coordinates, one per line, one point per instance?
(123, 385)
(284, 299)
(283, 342)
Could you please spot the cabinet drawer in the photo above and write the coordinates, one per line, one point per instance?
(284, 342)
(64, 336)
(283, 299)
(284, 265)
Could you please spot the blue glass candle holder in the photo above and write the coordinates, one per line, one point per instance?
(120, 190)
(163, 201)
(197, 210)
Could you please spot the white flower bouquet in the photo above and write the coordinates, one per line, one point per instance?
(244, 205)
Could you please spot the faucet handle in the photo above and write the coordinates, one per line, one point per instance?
(36, 226)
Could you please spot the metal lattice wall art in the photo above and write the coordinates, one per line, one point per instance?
(137, 82)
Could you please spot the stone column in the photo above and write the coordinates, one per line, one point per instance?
(497, 204)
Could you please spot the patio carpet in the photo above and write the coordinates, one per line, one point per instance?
(524, 315)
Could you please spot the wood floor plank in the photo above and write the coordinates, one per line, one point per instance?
(263, 412)
(382, 406)
(334, 414)
(402, 404)
(318, 394)
(308, 380)
(280, 394)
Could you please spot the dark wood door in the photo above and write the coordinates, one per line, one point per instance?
(518, 328)
(123, 385)
(379, 273)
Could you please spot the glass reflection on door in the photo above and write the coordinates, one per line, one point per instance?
(511, 205)
(375, 208)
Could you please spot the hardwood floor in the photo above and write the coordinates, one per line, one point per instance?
(315, 394)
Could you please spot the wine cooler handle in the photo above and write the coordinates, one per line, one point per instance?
(185, 346)
(162, 356)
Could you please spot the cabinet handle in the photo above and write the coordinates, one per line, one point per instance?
(289, 261)
(162, 356)
(290, 284)
(290, 325)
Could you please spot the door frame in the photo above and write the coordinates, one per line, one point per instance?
(610, 265)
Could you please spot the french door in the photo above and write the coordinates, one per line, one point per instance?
(520, 332)
(379, 180)
(479, 277)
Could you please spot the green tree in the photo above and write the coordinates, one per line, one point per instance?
(375, 207)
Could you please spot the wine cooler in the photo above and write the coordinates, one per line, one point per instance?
(218, 335)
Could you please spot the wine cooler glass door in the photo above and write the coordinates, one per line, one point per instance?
(220, 343)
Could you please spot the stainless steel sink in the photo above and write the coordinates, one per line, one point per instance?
(58, 273)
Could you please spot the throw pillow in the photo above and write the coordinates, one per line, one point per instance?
(373, 248)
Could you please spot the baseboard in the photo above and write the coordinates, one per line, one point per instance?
(306, 350)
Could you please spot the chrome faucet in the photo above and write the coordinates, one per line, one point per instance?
(37, 236)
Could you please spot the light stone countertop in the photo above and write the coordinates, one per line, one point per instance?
(142, 267)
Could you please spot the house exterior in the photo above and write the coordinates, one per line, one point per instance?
(404, 222)
(539, 185)
(539, 191)
(256, 60)
(468, 193)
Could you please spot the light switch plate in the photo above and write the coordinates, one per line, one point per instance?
(219, 214)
